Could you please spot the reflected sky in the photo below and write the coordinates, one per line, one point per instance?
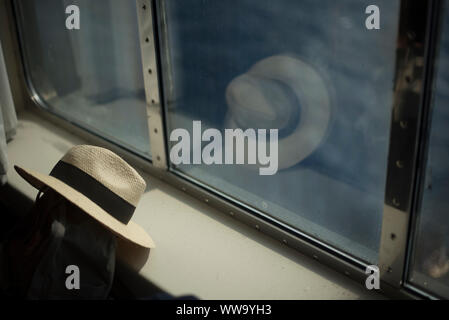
(92, 76)
(335, 190)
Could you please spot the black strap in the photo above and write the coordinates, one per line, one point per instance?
(94, 190)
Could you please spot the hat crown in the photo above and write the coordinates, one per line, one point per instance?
(108, 169)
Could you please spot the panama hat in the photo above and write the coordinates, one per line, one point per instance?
(258, 96)
(101, 184)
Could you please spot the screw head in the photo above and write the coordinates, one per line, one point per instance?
(403, 124)
(411, 35)
(396, 202)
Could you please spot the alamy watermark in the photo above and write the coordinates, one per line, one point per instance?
(73, 19)
(373, 20)
(373, 279)
(72, 282)
(247, 147)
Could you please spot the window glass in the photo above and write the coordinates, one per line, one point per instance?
(430, 258)
(311, 70)
(91, 76)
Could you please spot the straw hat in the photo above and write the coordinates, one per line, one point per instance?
(101, 184)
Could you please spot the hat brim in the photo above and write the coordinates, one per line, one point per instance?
(131, 231)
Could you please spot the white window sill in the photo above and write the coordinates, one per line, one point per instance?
(199, 250)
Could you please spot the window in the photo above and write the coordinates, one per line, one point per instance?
(328, 90)
(91, 76)
(430, 259)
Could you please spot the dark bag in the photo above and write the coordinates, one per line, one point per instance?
(56, 235)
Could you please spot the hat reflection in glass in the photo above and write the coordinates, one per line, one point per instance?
(88, 198)
(286, 93)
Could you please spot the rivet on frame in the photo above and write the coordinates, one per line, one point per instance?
(396, 202)
(403, 124)
(400, 164)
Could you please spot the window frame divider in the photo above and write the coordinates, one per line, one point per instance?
(414, 61)
(150, 71)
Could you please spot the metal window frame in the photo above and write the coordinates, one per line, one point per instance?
(148, 45)
(423, 147)
(412, 101)
(152, 27)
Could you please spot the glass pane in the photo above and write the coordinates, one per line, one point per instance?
(309, 69)
(92, 76)
(430, 259)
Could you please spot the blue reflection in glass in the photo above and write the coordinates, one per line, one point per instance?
(271, 64)
(91, 76)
